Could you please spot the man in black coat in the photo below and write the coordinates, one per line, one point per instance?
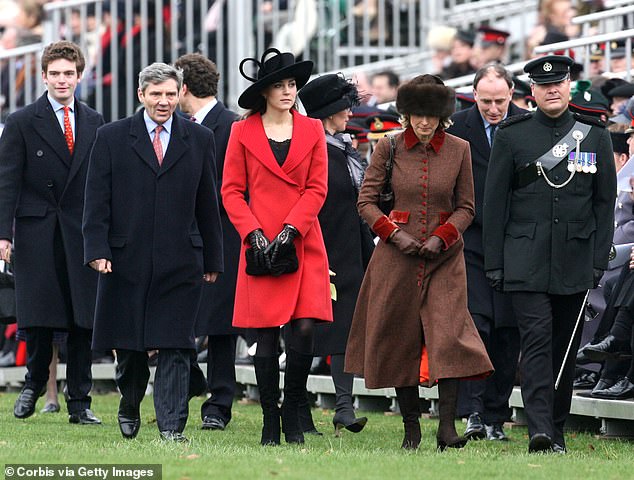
(548, 222)
(485, 402)
(152, 229)
(198, 100)
(43, 161)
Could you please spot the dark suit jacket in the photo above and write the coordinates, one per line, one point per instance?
(160, 226)
(42, 190)
(483, 300)
(216, 308)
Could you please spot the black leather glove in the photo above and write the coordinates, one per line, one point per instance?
(496, 279)
(405, 242)
(259, 244)
(597, 274)
(282, 243)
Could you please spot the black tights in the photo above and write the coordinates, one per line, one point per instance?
(298, 335)
(623, 330)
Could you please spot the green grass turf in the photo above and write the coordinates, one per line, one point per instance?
(236, 453)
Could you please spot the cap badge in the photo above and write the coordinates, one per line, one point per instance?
(587, 96)
(378, 124)
(547, 67)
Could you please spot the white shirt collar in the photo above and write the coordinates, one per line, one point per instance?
(202, 113)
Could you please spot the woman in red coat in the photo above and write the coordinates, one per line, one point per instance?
(275, 183)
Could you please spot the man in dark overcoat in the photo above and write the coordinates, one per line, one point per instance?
(43, 161)
(198, 100)
(548, 223)
(485, 403)
(152, 229)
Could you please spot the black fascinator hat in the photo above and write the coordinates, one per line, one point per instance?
(327, 95)
(271, 70)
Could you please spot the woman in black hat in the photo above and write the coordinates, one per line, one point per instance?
(348, 239)
(411, 325)
(277, 158)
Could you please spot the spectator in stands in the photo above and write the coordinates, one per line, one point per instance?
(199, 100)
(556, 23)
(618, 92)
(394, 341)
(348, 239)
(440, 40)
(461, 55)
(491, 45)
(278, 157)
(384, 86)
(619, 58)
(485, 402)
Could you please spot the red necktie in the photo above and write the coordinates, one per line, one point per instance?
(68, 131)
(156, 143)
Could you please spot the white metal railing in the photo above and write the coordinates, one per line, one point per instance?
(19, 77)
(607, 21)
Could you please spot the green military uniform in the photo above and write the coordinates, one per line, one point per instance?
(548, 219)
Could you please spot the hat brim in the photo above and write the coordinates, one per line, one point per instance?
(330, 109)
(543, 80)
(380, 135)
(300, 71)
(620, 118)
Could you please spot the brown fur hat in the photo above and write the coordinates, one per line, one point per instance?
(426, 95)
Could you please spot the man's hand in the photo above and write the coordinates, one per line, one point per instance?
(101, 265)
(210, 277)
(496, 279)
(5, 250)
(431, 248)
(405, 242)
(597, 274)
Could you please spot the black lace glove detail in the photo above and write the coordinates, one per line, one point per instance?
(281, 244)
(259, 244)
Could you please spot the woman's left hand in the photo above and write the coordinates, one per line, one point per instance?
(431, 248)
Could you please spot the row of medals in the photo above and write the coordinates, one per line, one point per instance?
(586, 164)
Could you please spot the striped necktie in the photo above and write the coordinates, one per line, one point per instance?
(156, 143)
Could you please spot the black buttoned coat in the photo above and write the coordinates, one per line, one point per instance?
(160, 227)
(483, 300)
(42, 191)
(216, 307)
(548, 239)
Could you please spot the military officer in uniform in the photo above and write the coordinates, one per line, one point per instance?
(548, 222)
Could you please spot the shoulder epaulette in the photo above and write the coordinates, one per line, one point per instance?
(588, 119)
(515, 119)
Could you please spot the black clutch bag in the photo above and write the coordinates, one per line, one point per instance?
(286, 264)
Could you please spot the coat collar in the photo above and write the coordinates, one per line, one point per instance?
(254, 139)
(211, 119)
(411, 140)
(143, 146)
(46, 125)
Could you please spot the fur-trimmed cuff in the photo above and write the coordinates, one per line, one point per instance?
(448, 234)
(383, 227)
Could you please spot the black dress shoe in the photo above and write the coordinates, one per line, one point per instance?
(173, 436)
(620, 390)
(475, 428)
(85, 417)
(602, 384)
(608, 348)
(129, 426)
(540, 443)
(25, 403)
(586, 381)
(495, 431)
(211, 422)
(560, 449)
(50, 408)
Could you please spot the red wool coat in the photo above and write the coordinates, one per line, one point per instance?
(293, 193)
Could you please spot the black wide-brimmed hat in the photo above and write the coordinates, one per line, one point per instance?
(426, 95)
(270, 70)
(327, 95)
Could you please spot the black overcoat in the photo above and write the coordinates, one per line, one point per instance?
(216, 307)
(161, 228)
(483, 300)
(349, 246)
(548, 239)
(42, 189)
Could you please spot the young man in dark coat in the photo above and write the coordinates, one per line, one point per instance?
(43, 161)
(152, 229)
(548, 223)
(485, 402)
(198, 100)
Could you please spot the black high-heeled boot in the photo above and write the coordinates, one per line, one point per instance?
(297, 369)
(409, 404)
(306, 418)
(446, 436)
(267, 374)
(344, 410)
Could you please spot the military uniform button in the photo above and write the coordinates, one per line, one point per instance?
(556, 220)
(556, 199)
(39, 153)
(556, 177)
(49, 184)
(556, 134)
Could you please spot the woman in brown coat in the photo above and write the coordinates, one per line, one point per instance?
(414, 294)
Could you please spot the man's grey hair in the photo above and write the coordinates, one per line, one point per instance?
(158, 73)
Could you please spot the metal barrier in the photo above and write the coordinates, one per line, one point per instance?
(19, 77)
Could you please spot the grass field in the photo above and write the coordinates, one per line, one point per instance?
(236, 453)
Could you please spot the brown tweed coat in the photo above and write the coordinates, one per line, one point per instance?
(406, 301)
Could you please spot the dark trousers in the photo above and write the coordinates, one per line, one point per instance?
(39, 347)
(221, 377)
(171, 384)
(546, 323)
(490, 397)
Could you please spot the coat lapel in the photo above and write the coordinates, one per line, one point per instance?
(301, 143)
(141, 143)
(85, 126)
(177, 146)
(46, 125)
(477, 133)
(211, 119)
